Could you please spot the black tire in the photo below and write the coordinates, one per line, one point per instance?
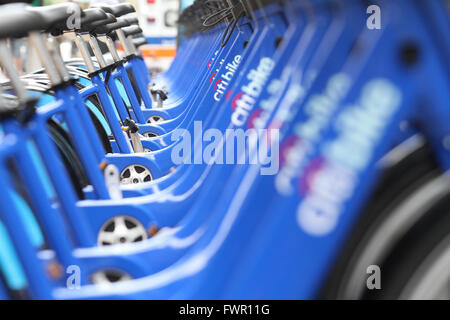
(404, 272)
(134, 86)
(396, 186)
(69, 157)
(103, 136)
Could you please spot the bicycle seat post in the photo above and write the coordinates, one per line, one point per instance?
(133, 48)
(90, 36)
(39, 44)
(105, 33)
(111, 47)
(57, 59)
(96, 48)
(118, 11)
(90, 18)
(6, 61)
(124, 42)
(84, 51)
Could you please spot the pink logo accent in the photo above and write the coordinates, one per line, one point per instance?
(311, 170)
(217, 82)
(286, 146)
(274, 125)
(235, 100)
(254, 116)
(228, 95)
(212, 77)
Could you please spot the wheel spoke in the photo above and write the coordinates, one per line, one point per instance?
(121, 229)
(126, 230)
(125, 180)
(108, 237)
(133, 172)
(135, 233)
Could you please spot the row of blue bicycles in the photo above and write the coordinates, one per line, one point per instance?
(114, 184)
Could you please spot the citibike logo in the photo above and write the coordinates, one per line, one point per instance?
(359, 128)
(245, 100)
(296, 149)
(222, 83)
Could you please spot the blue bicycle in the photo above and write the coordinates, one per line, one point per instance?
(116, 185)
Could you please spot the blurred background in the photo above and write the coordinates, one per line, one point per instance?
(158, 19)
